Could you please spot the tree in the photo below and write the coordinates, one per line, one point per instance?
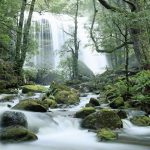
(8, 17)
(136, 11)
(22, 36)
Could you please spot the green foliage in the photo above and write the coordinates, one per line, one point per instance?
(8, 17)
(141, 81)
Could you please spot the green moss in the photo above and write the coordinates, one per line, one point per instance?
(106, 134)
(15, 134)
(34, 88)
(54, 87)
(127, 105)
(50, 103)
(85, 112)
(66, 97)
(30, 105)
(117, 102)
(89, 121)
(141, 120)
(107, 118)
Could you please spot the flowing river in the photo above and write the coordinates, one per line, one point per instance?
(58, 130)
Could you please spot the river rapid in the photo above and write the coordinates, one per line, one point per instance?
(59, 130)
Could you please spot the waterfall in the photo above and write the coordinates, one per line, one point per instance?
(48, 31)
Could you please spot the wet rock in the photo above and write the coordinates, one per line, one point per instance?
(64, 94)
(85, 112)
(106, 135)
(49, 103)
(117, 103)
(30, 105)
(104, 118)
(141, 120)
(15, 134)
(107, 118)
(66, 97)
(122, 114)
(34, 88)
(94, 102)
(10, 118)
(89, 122)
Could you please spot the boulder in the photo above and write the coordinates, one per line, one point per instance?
(34, 88)
(30, 105)
(66, 97)
(104, 118)
(107, 118)
(85, 112)
(15, 134)
(122, 114)
(141, 120)
(106, 134)
(117, 103)
(94, 102)
(49, 103)
(10, 118)
(64, 94)
(89, 121)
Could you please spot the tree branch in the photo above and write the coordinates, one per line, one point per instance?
(132, 6)
(118, 47)
(116, 9)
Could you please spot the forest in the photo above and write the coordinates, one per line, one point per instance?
(74, 74)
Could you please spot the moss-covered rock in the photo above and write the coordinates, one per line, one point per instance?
(107, 118)
(63, 94)
(89, 121)
(122, 114)
(88, 105)
(117, 103)
(30, 105)
(104, 118)
(85, 112)
(127, 105)
(94, 102)
(49, 103)
(10, 118)
(55, 87)
(66, 97)
(141, 120)
(15, 134)
(106, 134)
(34, 88)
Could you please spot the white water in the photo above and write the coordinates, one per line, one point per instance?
(48, 30)
(60, 131)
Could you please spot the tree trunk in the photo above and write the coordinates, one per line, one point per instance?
(19, 36)
(76, 44)
(22, 37)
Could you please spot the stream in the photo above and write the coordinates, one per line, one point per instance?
(58, 130)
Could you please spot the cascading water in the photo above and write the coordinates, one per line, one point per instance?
(58, 130)
(49, 30)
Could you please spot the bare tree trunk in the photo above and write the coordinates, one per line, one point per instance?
(76, 44)
(19, 35)
(22, 37)
(26, 34)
